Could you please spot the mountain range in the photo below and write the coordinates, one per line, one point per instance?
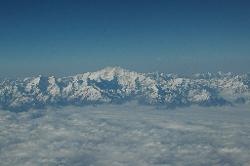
(118, 85)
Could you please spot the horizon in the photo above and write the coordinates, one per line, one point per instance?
(65, 38)
(184, 75)
(124, 82)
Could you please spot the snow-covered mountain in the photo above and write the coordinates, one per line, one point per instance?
(117, 85)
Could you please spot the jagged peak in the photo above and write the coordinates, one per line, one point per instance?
(116, 70)
(100, 86)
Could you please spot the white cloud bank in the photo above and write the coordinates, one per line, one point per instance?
(126, 135)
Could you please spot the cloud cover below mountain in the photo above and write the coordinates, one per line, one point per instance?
(128, 134)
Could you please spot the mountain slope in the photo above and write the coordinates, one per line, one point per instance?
(117, 85)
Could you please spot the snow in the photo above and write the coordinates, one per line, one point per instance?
(117, 85)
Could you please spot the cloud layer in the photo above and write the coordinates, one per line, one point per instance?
(126, 135)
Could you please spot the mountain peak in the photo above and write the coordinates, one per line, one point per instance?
(116, 70)
(118, 85)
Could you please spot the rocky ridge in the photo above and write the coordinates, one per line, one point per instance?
(118, 85)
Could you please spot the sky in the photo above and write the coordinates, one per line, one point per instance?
(66, 37)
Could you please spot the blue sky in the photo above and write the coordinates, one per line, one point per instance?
(68, 37)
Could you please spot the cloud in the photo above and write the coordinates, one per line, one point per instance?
(127, 134)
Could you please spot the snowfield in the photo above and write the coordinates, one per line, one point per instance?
(126, 135)
(118, 85)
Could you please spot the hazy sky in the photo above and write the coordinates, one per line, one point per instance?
(68, 37)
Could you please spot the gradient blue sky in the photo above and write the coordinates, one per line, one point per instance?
(66, 37)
